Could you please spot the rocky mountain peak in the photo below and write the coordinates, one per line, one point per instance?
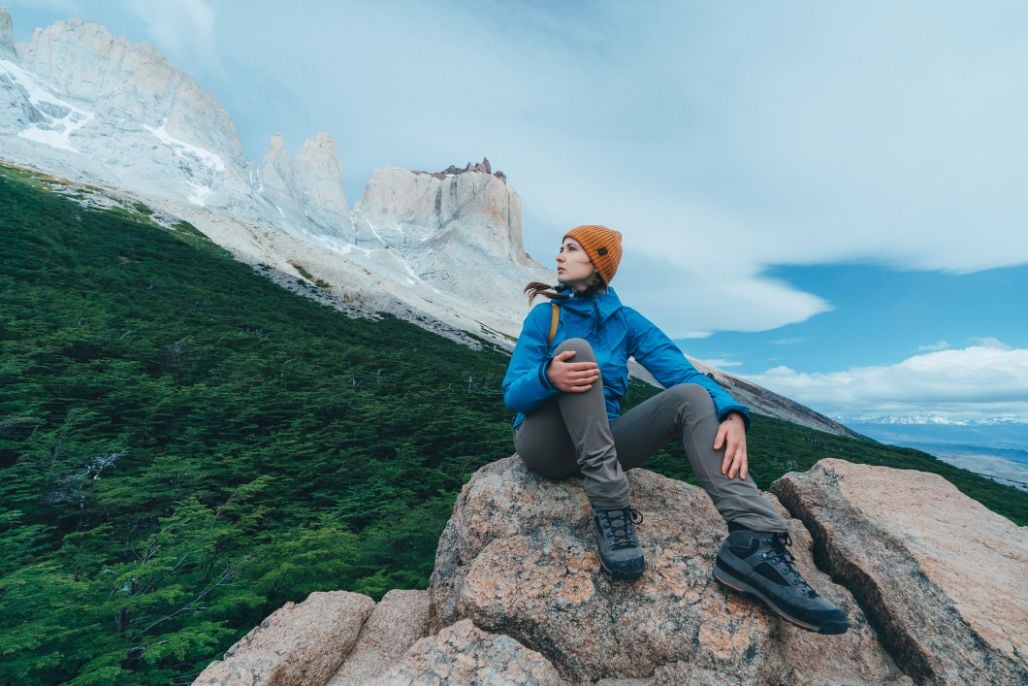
(932, 581)
(276, 146)
(307, 188)
(460, 232)
(116, 79)
(483, 167)
(6, 32)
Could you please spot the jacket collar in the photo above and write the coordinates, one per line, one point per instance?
(607, 303)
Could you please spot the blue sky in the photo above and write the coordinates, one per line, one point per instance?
(821, 196)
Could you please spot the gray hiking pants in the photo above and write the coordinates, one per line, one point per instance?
(570, 434)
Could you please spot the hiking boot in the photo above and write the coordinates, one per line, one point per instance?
(620, 553)
(760, 565)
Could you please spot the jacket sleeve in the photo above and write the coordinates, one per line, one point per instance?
(654, 350)
(525, 386)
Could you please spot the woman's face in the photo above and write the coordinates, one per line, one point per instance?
(574, 268)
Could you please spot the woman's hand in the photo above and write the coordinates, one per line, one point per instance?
(572, 377)
(732, 434)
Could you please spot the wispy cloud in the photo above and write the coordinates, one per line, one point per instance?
(184, 30)
(990, 342)
(66, 7)
(978, 381)
(941, 345)
(788, 341)
(721, 362)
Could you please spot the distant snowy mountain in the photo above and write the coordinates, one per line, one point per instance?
(443, 249)
(998, 449)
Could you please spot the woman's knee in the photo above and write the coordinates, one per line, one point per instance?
(691, 397)
(582, 348)
(546, 465)
(544, 446)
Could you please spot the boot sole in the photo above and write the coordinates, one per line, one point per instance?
(621, 576)
(737, 584)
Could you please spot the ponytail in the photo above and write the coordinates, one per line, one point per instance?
(539, 288)
(598, 285)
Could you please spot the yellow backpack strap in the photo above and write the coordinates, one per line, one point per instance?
(554, 319)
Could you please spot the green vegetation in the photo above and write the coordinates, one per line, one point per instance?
(320, 284)
(185, 446)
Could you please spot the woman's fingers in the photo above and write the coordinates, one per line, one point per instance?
(739, 465)
(734, 462)
(573, 377)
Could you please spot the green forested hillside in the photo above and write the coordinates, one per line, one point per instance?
(185, 446)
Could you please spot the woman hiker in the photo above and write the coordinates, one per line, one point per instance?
(567, 374)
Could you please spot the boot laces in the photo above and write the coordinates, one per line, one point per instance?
(780, 543)
(619, 527)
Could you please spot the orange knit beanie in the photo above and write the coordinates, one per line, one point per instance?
(602, 245)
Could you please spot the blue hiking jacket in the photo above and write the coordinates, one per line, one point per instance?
(616, 333)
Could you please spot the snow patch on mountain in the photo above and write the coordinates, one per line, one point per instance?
(52, 120)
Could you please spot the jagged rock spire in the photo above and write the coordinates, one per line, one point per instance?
(307, 187)
(483, 167)
(6, 32)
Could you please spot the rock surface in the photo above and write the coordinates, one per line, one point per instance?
(458, 234)
(464, 654)
(297, 644)
(119, 111)
(307, 189)
(517, 595)
(518, 558)
(397, 622)
(942, 577)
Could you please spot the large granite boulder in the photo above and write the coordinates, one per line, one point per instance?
(398, 621)
(517, 557)
(941, 577)
(464, 654)
(517, 595)
(298, 644)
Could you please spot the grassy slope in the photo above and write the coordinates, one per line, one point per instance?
(185, 446)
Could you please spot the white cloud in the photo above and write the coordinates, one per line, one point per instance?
(795, 340)
(977, 382)
(183, 30)
(66, 7)
(990, 342)
(940, 345)
(720, 362)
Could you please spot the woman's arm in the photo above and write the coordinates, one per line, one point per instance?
(654, 350)
(525, 385)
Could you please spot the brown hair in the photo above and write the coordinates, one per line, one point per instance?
(596, 285)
